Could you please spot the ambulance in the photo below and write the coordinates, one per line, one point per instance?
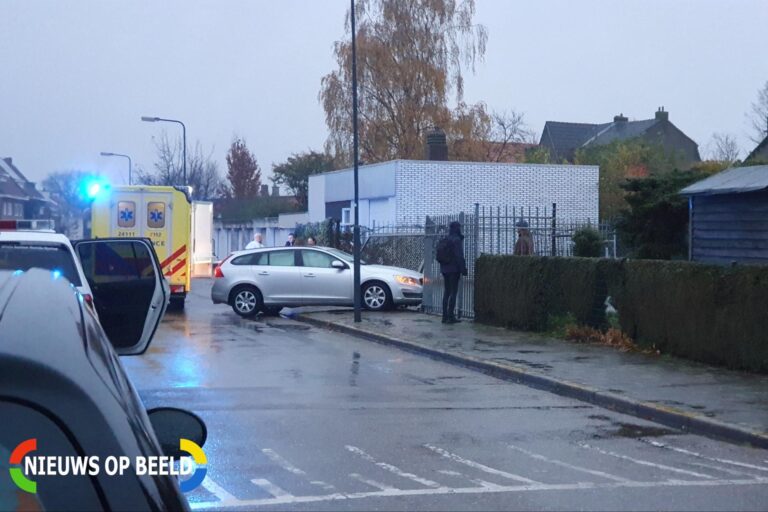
(161, 213)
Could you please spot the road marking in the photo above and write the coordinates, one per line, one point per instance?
(235, 503)
(215, 489)
(372, 483)
(280, 461)
(393, 469)
(324, 485)
(712, 459)
(647, 463)
(271, 488)
(569, 466)
(481, 483)
(477, 465)
(283, 463)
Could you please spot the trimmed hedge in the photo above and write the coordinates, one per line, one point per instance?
(707, 313)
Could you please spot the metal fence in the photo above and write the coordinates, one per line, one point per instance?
(487, 230)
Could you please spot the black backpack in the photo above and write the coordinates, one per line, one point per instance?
(444, 252)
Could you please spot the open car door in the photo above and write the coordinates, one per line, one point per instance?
(129, 290)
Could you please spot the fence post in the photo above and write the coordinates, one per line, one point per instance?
(476, 231)
(554, 229)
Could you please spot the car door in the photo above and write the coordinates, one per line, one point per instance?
(129, 290)
(321, 282)
(277, 275)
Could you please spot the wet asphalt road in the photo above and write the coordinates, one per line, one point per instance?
(304, 419)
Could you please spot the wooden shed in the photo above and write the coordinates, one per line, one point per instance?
(728, 216)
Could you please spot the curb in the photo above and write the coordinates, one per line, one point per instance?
(668, 416)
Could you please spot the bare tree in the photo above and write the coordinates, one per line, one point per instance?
(202, 171)
(479, 136)
(758, 116)
(723, 148)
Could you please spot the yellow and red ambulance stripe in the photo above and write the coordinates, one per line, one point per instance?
(168, 268)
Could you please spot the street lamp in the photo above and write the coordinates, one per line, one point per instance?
(356, 232)
(149, 119)
(106, 153)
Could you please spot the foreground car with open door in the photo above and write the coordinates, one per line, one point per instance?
(66, 400)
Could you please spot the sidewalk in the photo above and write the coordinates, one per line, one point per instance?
(695, 397)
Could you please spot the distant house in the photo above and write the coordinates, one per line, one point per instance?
(759, 154)
(563, 139)
(19, 198)
(729, 216)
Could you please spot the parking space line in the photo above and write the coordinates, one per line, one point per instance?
(647, 463)
(215, 489)
(700, 456)
(292, 500)
(280, 461)
(372, 483)
(392, 469)
(271, 488)
(569, 466)
(477, 465)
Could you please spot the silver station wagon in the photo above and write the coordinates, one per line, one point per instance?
(272, 278)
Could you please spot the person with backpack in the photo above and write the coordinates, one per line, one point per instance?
(450, 255)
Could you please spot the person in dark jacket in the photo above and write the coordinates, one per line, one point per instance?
(452, 272)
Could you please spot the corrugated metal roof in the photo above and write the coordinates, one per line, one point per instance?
(730, 181)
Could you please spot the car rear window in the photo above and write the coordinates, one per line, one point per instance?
(24, 256)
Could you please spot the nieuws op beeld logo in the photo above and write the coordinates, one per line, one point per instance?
(25, 465)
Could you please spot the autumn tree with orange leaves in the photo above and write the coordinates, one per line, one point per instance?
(411, 58)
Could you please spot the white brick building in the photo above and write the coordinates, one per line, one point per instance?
(404, 192)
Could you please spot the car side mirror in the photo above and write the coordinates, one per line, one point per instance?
(171, 425)
(130, 293)
(340, 265)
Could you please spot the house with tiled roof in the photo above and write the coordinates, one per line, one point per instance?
(19, 198)
(564, 139)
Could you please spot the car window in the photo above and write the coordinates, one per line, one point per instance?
(71, 492)
(246, 259)
(52, 256)
(317, 259)
(116, 261)
(281, 259)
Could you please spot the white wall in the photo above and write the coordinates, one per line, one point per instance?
(316, 198)
(376, 180)
(432, 188)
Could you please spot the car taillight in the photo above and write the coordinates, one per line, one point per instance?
(217, 271)
(88, 298)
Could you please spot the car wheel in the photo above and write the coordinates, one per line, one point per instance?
(246, 300)
(271, 310)
(376, 296)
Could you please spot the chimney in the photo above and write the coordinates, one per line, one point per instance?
(264, 191)
(437, 147)
(275, 191)
(620, 119)
(662, 115)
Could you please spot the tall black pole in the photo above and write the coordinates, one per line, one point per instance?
(356, 233)
(184, 149)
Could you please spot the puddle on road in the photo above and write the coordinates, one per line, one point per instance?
(289, 327)
(633, 431)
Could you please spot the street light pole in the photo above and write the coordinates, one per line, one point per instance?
(130, 164)
(356, 228)
(150, 119)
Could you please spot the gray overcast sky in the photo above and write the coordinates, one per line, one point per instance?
(77, 75)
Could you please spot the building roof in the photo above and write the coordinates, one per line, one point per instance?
(731, 181)
(760, 147)
(24, 189)
(565, 137)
